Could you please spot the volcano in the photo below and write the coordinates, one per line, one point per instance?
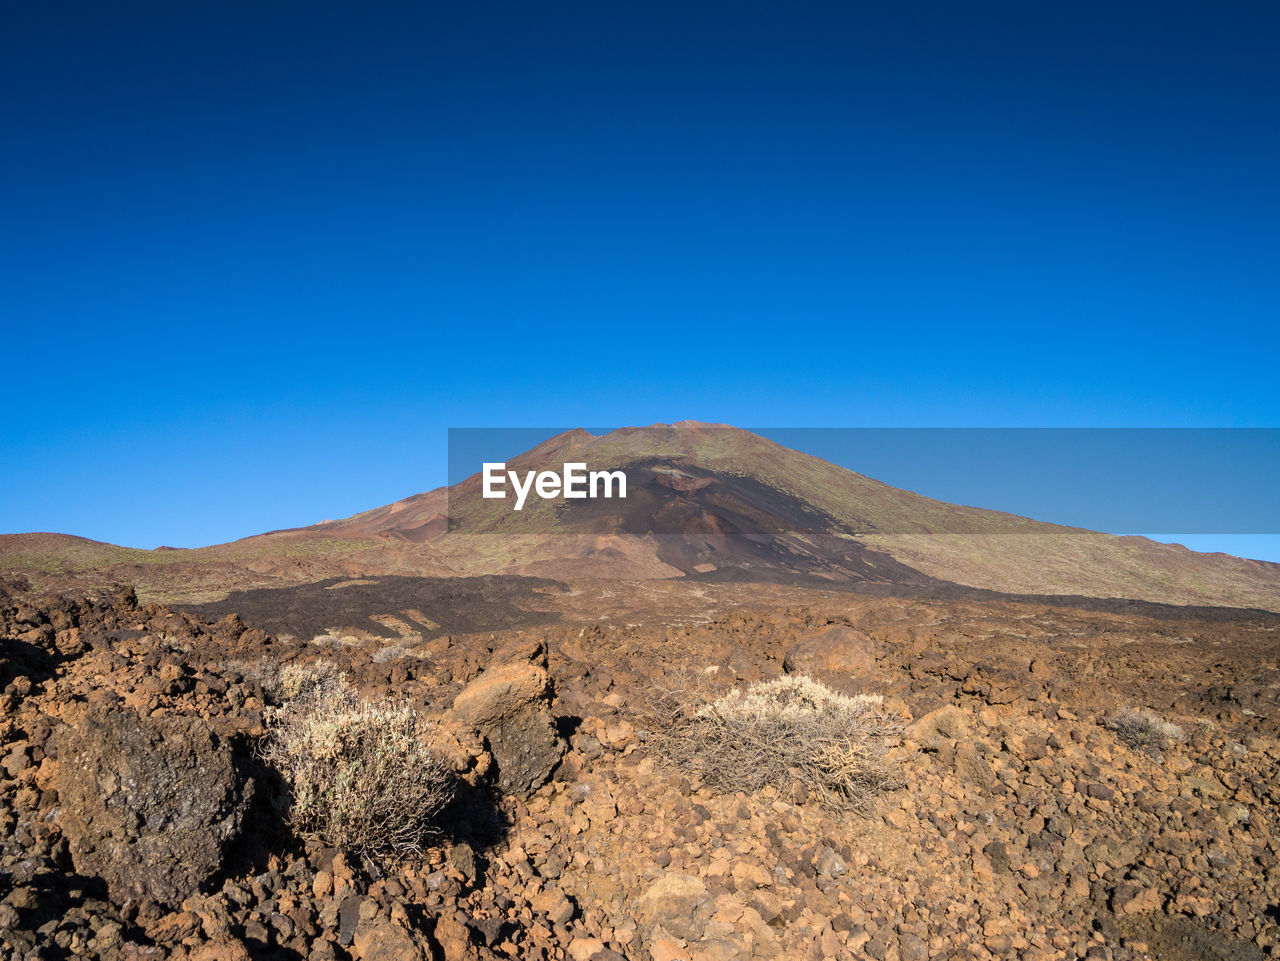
(714, 502)
(705, 502)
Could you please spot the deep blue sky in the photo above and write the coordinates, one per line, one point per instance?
(256, 258)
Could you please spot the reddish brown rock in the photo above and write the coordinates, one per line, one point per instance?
(511, 708)
(836, 650)
(678, 903)
(223, 949)
(382, 939)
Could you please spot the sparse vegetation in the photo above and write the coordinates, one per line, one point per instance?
(1145, 730)
(393, 652)
(282, 684)
(317, 680)
(335, 639)
(264, 671)
(360, 773)
(788, 732)
(158, 801)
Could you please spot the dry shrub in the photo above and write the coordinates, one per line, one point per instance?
(336, 640)
(1145, 730)
(786, 732)
(319, 679)
(360, 774)
(392, 653)
(264, 671)
(290, 682)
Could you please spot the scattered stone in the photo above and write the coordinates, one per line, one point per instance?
(385, 940)
(679, 904)
(828, 864)
(1025, 830)
(665, 948)
(939, 727)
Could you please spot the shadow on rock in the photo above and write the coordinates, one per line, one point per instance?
(474, 817)
(266, 829)
(77, 908)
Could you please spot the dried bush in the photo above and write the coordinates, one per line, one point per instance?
(319, 679)
(290, 682)
(392, 653)
(335, 640)
(360, 774)
(264, 671)
(787, 732)
(1145, 730)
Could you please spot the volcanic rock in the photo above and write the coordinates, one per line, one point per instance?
(149, 805)
(1024, 828)
(382, 939)
(510, 706)
(939, 727)
(836, 650)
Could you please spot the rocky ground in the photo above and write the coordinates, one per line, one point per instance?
(137, 820)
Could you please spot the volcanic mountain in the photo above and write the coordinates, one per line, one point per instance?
(714, 502)
(704, 502)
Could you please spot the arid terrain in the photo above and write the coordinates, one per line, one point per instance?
(1007, 761)
(1022, 825)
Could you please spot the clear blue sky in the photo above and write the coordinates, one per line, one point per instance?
(256, 258)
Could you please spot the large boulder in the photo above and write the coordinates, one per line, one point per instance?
(149, 805)
(510, 705)
(836, 650)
